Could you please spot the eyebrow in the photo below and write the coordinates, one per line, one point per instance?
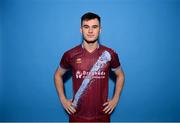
(88, 25)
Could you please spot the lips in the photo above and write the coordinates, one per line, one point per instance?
(90, 36)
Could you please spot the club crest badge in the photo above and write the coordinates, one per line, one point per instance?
(78, 60)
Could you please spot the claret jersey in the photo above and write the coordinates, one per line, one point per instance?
(90, 74)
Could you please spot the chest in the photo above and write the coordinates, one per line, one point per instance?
(87, 61)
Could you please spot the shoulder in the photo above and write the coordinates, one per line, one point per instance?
(110, 50)
(73, 51)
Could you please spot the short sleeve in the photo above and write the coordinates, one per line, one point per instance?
(65, 61)
(114, 63)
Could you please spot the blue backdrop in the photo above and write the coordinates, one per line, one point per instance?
(35, 33)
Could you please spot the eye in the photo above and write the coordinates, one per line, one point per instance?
(86, 27)
(95, 26)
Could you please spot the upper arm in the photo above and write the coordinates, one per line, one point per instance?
(114, 63)
(60, 71)
(119, 72)
(64, 65)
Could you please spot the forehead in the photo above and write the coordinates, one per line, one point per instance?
(90, 22)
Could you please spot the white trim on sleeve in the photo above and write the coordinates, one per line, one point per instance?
(64, 69)
(114, 69)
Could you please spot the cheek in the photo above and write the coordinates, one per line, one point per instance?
(97, 32)
(84, 31)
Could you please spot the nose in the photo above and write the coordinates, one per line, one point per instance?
(90, 30)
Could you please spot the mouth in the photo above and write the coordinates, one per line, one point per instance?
(90, 36)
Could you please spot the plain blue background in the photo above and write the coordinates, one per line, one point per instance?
(34, 34)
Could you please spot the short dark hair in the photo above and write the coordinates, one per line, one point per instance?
(89, 16)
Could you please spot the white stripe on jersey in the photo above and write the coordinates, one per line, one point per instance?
(102, 60)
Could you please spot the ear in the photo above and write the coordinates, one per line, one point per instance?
(100, 30)
(80, 29)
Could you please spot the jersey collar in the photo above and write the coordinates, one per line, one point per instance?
(83, 46)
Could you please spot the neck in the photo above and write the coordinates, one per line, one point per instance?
(90, 47)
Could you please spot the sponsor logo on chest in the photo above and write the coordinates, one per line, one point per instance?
(90, 74)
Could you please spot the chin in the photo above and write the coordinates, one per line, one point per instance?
(91, 41)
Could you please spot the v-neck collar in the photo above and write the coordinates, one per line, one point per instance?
(88, 51)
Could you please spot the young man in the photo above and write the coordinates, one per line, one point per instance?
(90, 63)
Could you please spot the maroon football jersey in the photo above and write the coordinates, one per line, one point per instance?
(90, 74)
